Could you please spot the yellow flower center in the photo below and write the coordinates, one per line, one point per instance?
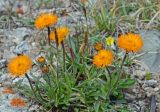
(109, 41)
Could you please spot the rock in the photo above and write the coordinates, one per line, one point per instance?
(7, 83)
(149, 91)
(33, 108)
(153, 104)
(4, 78)
(152, 48)
(140, 74)
(3, 63)
(130, 97)
(18, 35)
(2, 3)
(135, 90)
(134, 107)
(22, 48)
(8, 54)
(151, 82)
(5, 103)
(142, 104)
(156, 89)
(158, 107)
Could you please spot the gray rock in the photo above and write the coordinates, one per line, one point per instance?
(8, 54)
(149, 91)
(130, 97)
(23, 47)
(18, 35)
(33, 108)
(142, 104)
(153, 104)
(3, 63)
(158, 107)
(151, 82)
(140, 74)
(156, 89)
(152, 48)
(2, 3)
(134, 107)
(4, 78)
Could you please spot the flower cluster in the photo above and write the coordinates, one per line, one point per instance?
(73, 67)
(129, 42)
(48, 19)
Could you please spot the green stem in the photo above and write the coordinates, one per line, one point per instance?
(39, 93)
(108, 71)
(110, 84)
(64, 58)
(34, 93)
(56, 38)
(30, 83)
(120, 72)
(49, 80)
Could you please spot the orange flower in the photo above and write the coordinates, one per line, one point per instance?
(41, 59)
(19, 65)
(84, 1)
(130, 42)
(45, 20)
(8, 91)
(45, 69)
(103, 58)
(17, 102)
(19, 10)
(98, 46)
(62, 33)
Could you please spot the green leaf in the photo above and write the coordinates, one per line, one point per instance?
(148, 76)
(96, 106)
(126, 83)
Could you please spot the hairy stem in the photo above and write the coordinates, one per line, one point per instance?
(120, 73)
(49, 31)
(64, 56)
(56, 38)
(30, 83)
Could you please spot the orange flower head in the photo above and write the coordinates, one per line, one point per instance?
(8, 91)
(17, 102)
(98, 46)
(84, 1)
(41, 59)
(130, 42)
(62, 33)
(45, 69)
(103, 58)
(45, 20)
(19, 10)
(18, 66)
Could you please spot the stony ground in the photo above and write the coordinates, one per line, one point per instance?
(17, 35)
